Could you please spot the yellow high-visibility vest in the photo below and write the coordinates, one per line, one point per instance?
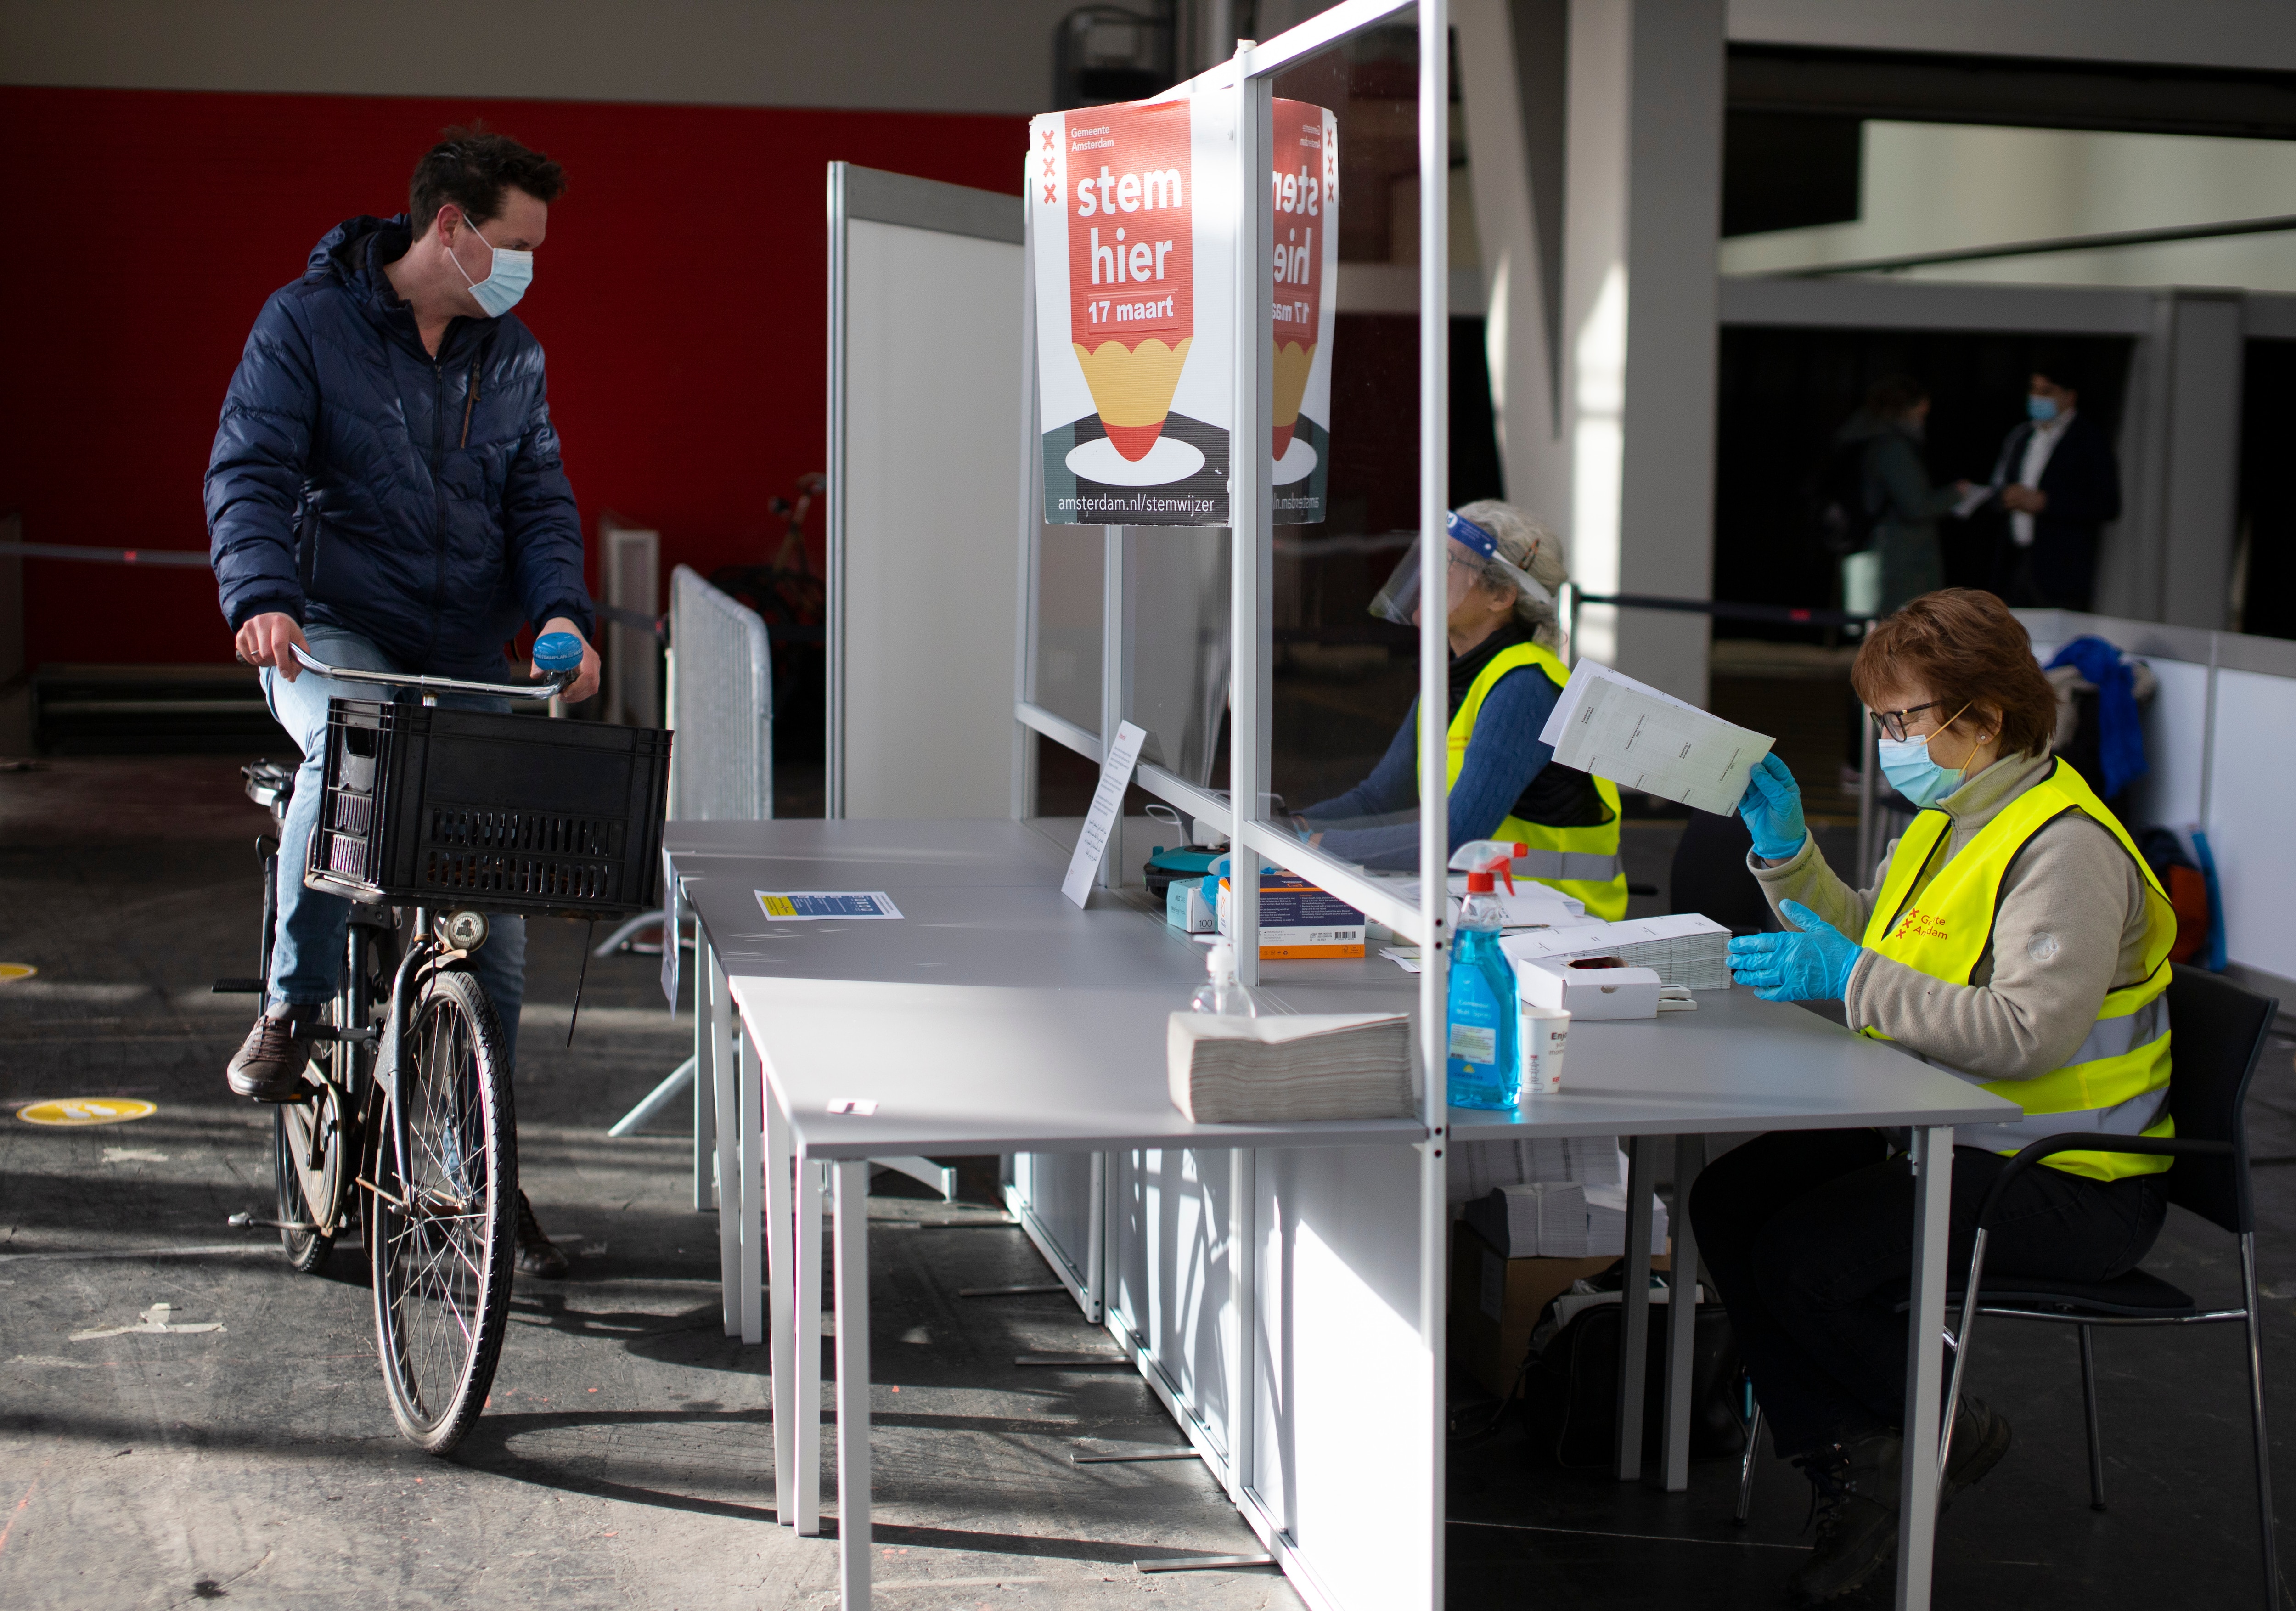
(2117, 1080)
(1582, 862)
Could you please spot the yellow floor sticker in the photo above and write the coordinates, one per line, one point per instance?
(88, 1110)
(12, 971)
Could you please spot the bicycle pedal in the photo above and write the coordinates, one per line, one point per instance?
(237, 987)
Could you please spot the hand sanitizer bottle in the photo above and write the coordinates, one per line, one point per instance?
(1221, 992)
(1483, 1071)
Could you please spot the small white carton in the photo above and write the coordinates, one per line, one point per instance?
(1588, 987)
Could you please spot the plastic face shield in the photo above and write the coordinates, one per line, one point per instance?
(1471, 546)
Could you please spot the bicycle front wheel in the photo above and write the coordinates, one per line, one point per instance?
(442, 1236)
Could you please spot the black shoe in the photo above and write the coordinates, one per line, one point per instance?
(1981, 1437)
(270, 1062)
(1854, 1495)
(538, 1254)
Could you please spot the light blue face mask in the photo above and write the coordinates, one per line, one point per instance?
(2040, 410)
(505, 283)
(1905, 763)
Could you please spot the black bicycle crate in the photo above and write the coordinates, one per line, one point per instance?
(442, 808)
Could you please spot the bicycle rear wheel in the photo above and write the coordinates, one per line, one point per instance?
(442, 1237)
(306, 1166)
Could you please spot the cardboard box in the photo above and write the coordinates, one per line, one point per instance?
(1495, 1303)
(1297, 920)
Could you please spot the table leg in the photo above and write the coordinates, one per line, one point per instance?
(749, 1069)
(805, 1333)
(1681, 1312)
(781, 1264)
(705, 1088)
(852, 1226)
(726, 1090)
(1634, 1328)
(1932, 1159)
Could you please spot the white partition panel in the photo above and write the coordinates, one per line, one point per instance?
(925, 357)
(2176, 746)
(2252, 784)
(1169, 1292)
(1341, 1459)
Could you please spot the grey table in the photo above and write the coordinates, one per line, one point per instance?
(995, 1016)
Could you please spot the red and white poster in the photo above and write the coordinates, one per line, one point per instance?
(1131, 215)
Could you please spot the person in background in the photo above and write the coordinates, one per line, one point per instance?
(1895, 483)
(2013, 937)
(1506, 673)
(385, 491)
(2059, 482)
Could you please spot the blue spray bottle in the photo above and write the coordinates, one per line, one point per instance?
(1483, 1071)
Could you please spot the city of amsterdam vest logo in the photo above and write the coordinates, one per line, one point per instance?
(1919, 925)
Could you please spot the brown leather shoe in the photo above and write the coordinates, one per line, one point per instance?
(538, 1254)
(270, 1062)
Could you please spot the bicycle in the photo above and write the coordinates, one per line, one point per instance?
(406, 1128)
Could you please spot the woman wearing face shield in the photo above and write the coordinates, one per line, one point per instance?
(2013, 937)
(1506, 674)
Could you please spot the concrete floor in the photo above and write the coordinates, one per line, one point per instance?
(626, 1459)
(626, 1456)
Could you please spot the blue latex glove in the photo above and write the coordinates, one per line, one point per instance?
(1813, 966)
(1771, 806)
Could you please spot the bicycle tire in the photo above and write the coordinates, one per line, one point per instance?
(306, 1250)
(442, 1279)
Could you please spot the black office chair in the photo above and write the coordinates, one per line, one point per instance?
(2218, 1031)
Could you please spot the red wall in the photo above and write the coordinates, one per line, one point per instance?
(681, 294)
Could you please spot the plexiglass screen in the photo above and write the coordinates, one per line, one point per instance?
(1175, 600)
(1342, 195)
(1065, 642)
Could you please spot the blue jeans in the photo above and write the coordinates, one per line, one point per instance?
(307, 951)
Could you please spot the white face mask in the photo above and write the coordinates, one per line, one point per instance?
(505, 282)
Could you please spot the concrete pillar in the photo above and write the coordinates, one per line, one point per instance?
(1513, 61)
(1642, 221)
(2169, 557)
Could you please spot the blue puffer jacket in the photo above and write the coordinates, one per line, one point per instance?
(356, 482)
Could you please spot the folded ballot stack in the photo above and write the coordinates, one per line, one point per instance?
(1573, 1207)
(1685, 948)
(1313, 1065)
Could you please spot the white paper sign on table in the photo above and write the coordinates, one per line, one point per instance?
(1642, 738)
(1107, 805)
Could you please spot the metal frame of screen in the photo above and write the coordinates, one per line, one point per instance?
(1250, 75)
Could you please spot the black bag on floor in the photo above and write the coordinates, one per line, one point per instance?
(1573, 1393)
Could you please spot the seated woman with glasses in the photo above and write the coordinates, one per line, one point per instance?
(1506, 673)
(2014, 938)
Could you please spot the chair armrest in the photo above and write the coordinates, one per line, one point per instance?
(2048, 1146)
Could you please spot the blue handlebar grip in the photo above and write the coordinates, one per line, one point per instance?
(557, 652)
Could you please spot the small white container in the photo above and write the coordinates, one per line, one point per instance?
(1590, 987)
(1541, 1032)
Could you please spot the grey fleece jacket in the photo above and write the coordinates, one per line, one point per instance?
(2071, 926)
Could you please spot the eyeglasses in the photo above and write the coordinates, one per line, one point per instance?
(1892, 723)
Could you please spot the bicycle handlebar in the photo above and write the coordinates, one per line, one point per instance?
(546, 687)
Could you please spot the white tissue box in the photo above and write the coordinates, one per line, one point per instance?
(1588, 991)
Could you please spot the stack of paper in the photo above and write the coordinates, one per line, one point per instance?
(1685, 949)
(1312, 1066)
(1577, 1210)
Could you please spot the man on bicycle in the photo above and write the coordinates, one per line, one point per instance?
(385, 490)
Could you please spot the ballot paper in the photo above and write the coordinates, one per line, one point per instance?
(1972, 500)
(1609, 724)
(1103, 819)
(821, 906)
(1685, 949)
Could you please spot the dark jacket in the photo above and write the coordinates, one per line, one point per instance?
(355, 481)
(2082, 482)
